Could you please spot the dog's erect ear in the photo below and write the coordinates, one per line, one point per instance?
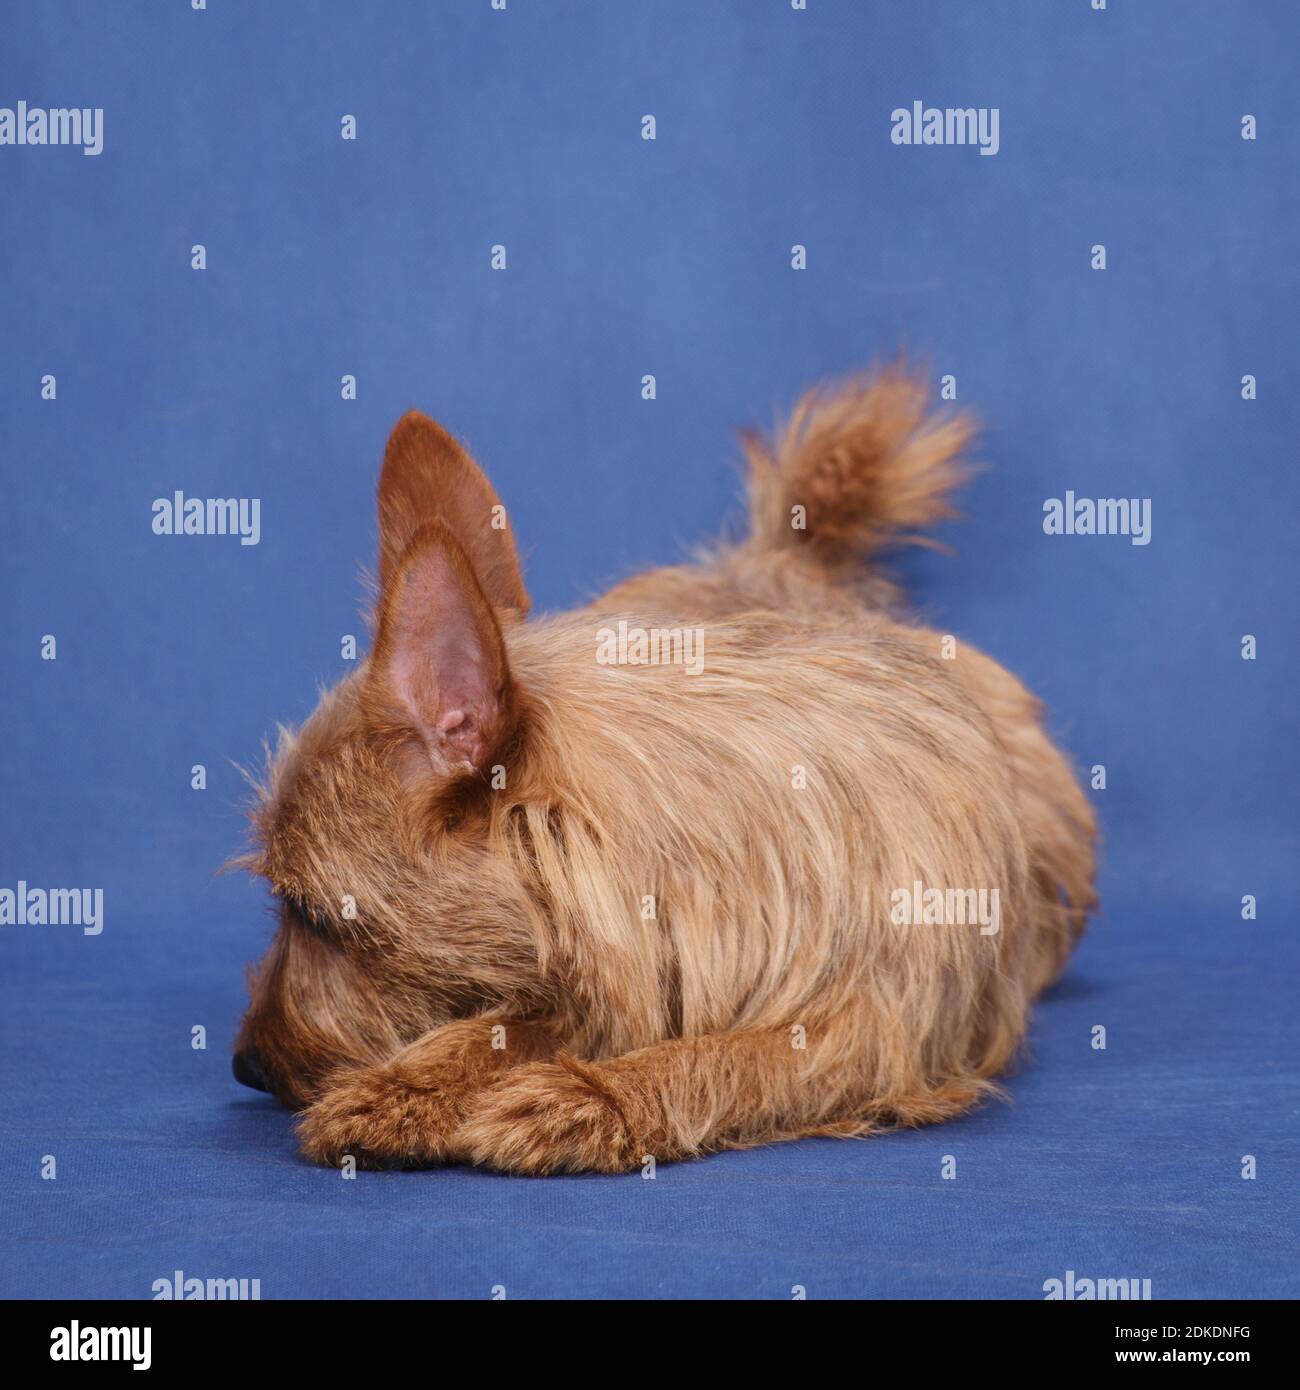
(427, 476)
(439, 664)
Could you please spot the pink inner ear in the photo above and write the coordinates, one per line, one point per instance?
(444, 659)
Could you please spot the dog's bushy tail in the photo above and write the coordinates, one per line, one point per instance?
(858, 467)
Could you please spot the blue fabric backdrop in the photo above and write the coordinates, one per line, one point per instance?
(328, 257)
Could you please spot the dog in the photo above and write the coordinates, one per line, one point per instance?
(548, 903)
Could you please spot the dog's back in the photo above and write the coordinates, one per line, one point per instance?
(757, 833)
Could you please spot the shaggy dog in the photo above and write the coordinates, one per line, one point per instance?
(552, 898)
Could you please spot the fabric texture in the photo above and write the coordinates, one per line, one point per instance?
(371, 258)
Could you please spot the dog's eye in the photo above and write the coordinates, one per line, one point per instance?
(306, 913)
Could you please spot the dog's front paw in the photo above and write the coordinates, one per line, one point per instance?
(551, 1117)
(382, 1118)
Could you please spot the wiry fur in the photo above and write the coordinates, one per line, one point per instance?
(501, 996)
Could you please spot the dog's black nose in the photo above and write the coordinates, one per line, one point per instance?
(248, 1070)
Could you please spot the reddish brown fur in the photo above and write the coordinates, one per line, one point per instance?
(466, 830)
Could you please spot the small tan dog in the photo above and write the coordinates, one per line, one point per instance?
(730, 856)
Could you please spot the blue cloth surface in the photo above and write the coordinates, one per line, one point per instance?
(672, 257)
